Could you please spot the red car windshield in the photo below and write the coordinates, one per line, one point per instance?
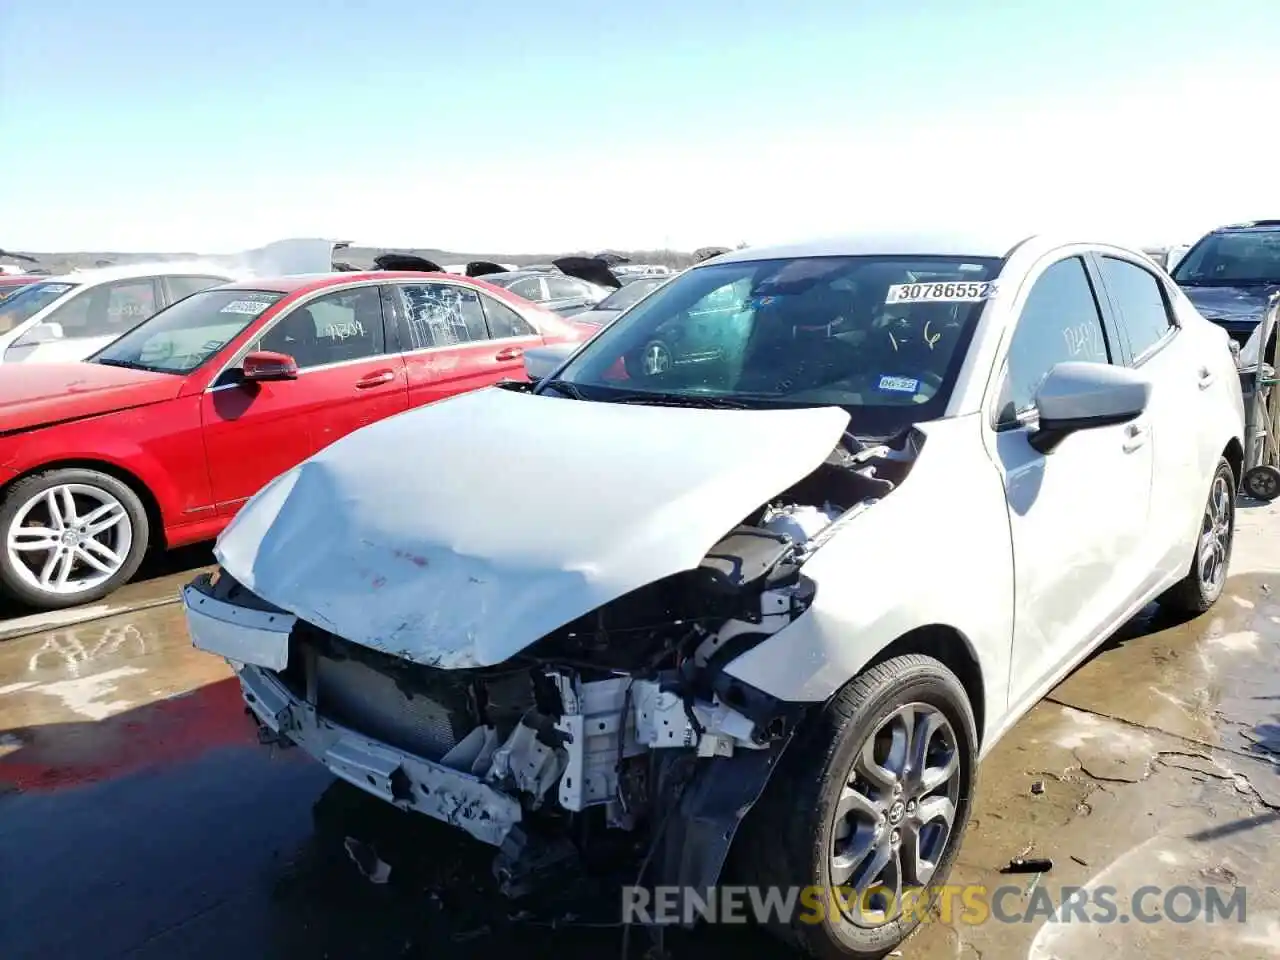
(182, 337)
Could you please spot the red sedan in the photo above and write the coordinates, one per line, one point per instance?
(159, 438)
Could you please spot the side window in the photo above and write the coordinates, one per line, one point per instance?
(107, 310)
(1060, 321)
(505, 322)
(563, 288)
(180, 287)
(1141, 303)
(529, 288)
(340, 326)
(440, 315)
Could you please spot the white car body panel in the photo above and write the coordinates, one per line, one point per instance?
(281, 258)
(534, 511)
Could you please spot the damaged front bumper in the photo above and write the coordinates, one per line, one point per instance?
(704, 763)
(406, 781)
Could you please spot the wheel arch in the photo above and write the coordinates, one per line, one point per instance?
(953, 650)
(1233, 452)
(155, 519)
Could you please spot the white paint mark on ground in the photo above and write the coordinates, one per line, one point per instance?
(1243, 602)
(1086, 728)
(1168, 856)
(1264, 932)
(17, 687)
(84, 696)
(1238, 642)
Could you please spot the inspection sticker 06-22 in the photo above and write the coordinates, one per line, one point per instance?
(959, 291)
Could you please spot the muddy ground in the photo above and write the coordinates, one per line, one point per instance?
(140, 818)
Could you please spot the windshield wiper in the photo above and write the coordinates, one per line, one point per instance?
(570, 390)
(127, 364)
(682, 400)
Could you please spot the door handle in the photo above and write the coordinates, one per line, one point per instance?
(1135, 435)
(375, 379)
(1206, 378)
(509, 353)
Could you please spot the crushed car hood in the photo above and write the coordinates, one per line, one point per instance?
(1234, 305)
(458, 534)
(37, 394)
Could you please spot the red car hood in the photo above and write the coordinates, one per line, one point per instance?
(37, 394)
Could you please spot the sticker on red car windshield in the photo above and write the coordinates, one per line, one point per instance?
(57, 287)
(964, 291)
(248, 308)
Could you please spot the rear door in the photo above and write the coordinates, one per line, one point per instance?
(1168, 355)
(350, 374)
(456, 338)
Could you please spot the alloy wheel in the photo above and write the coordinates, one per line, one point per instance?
(1215, 538)
(69, 538)
(896, 813)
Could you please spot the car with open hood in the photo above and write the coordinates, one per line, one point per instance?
(66, 318)
(567, 286)
(773, 606)
(634, 288)
(160, 437)
(1231, 273)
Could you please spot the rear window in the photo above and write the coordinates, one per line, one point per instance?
(185, 335)
(26, 302)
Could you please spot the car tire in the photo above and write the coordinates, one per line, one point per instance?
(793, 836)
(1262, 482)
(121, 540)
(1195, 593)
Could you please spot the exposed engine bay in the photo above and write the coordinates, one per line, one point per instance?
(609, 722)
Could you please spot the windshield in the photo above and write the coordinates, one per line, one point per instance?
(881, 336)
(630, 293)
(181, 337)
(1232, 259)
(27, 301)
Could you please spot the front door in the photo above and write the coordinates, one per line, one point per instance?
(1077, 514)
(350, 374)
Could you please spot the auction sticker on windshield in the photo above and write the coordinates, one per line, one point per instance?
(898, 384)
(57, 287)
(248, 308)
(967, 291)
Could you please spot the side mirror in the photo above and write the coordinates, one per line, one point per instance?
(264, 365)
(542, 362)
(1083, 396)
(43, 333)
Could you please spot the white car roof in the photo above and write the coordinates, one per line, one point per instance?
(904, 244)
(96, 275)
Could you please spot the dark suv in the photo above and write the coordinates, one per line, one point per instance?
(1230, 273)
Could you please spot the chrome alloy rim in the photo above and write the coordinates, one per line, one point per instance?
(1215, 538)
(69, 539)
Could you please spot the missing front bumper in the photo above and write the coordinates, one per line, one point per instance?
(406, 781)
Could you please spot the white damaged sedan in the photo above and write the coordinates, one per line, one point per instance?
(759, 573)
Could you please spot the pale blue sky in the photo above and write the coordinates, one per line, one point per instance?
(522, 125)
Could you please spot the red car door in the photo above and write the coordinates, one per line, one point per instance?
(456, 338)
(350, 373)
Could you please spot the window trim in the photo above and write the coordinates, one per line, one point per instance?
(1136, 360)
(238, 355)
(1030, 417)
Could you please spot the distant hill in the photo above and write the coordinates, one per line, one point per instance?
(360, 257)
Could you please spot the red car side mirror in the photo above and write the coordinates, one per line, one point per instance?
(266, 365)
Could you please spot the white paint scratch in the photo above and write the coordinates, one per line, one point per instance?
(84, 696)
